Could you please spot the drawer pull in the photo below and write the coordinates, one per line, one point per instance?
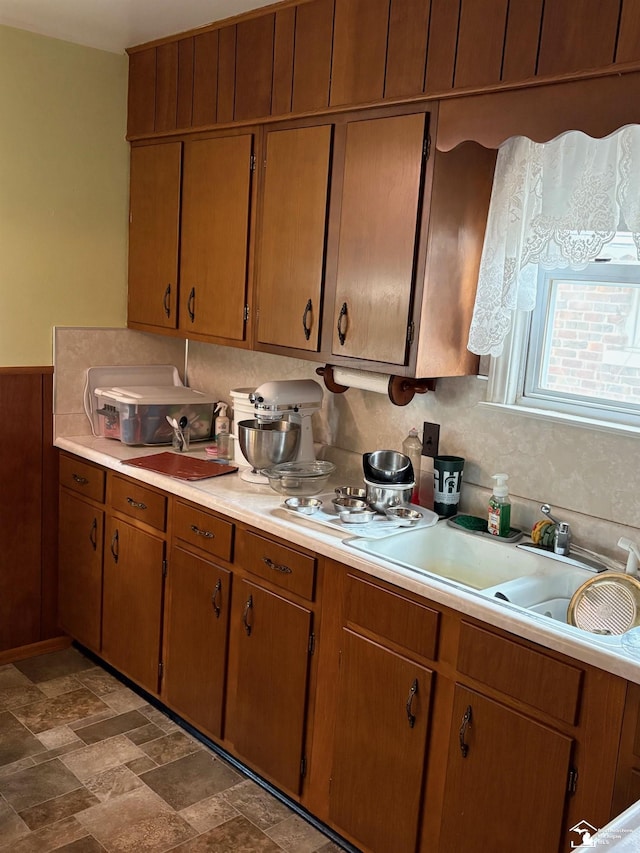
(215, 598)
(411, 717)
(206, 533)
(278, 567)
(136, 504)
(115, 546)
(466, 722)
(245, 616)
(81, 481)
(93, 534)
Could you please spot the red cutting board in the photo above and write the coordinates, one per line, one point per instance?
(181, 467)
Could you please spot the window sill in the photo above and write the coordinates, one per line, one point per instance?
(562, 418)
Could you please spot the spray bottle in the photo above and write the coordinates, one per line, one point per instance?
(412, 447)
(221, 430)
(499, 514)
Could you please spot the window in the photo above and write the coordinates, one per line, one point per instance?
(583, 353)
(558, 300)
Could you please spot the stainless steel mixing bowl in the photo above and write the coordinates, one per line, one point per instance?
(268, 443)
(387, 466)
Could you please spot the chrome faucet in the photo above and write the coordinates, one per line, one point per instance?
(562, 535)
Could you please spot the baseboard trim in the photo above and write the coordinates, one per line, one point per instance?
(55, 644)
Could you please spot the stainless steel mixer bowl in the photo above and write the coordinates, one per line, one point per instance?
(268, 443)
(387, 466)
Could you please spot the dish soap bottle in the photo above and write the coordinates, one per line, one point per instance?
(499, 515)
(412, 447)
(221, 429)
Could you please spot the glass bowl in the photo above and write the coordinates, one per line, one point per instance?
(299, 478)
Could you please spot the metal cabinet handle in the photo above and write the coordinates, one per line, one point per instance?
(136, 504)
(305, 317)
(115, 546)
(81, 481)
(411, 717)
(245, 616)
(466, 722)
(215, 598)
(166, 301)
(342, 324)
(191, 304)
(93, 534)
(277, 567)
(206, 533)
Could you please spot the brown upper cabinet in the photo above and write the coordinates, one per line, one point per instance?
(193, 198)
(291, 251)
(387, 288)
(154, 227)
(378, 233)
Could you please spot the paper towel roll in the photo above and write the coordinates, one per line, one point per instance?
(363, 379)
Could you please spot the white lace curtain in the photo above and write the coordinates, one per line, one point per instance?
(554, 204)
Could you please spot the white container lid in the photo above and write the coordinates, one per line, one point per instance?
(154, 395)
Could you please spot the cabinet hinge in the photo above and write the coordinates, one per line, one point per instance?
(312, 643)
(303, 766)
(572, 780)
(252, 163)
(410, 332)
(164, 568)
(426, 147)
(245, 313)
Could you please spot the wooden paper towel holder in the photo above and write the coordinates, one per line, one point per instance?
(401, 389)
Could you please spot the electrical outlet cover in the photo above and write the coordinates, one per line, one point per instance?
(430, 439)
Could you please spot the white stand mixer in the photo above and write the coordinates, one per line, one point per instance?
(289, 399)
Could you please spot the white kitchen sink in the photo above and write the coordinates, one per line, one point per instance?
(471, 560)
(499, 570)
(548, 594)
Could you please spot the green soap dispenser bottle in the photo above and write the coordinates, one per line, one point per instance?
(499, 515)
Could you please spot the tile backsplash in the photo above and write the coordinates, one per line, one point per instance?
(589, 477)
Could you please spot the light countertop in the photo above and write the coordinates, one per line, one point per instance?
(261, 507)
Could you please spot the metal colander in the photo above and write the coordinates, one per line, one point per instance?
(606, 604)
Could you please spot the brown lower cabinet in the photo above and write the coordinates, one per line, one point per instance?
(379, 747)
(132, 601)
(400, 723)
(196, 627)
(266, 721)
(506, 779)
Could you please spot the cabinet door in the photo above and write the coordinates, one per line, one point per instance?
(197, 620)
(509, 789)
(215, 233)
(379, 747)
(81, 534)
(379, 224)
(132, 601)
(154, 217)
(291, 254)
(266, 724)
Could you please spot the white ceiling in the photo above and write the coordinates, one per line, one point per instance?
(116, 24)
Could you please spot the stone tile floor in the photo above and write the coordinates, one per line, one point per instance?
(86, 765)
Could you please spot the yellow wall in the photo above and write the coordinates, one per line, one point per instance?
(63, 192)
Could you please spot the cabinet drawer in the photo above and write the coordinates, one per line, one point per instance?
(82, 477)
(204, 530)
(138, 501)
(279, 564)
(532, 677)
(392, 617)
